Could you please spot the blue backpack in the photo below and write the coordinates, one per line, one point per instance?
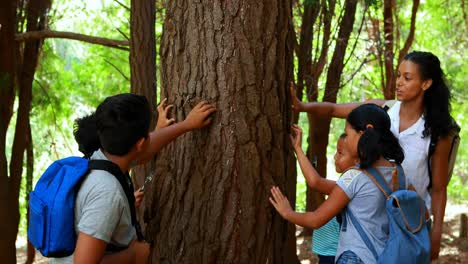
(51, 217)
(408, 237)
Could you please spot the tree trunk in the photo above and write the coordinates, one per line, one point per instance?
(143, 49)
(8, 49)
(209, 201)
(410, 38)
(143, 72)
(389, 89)
(9, 208)
(463, 226)
(311, 11)
(30, 250)
(320, 126)
(314, 198)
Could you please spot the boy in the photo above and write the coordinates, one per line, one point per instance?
(104, 217)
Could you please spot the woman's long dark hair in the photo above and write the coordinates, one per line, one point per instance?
(116, 126)
(376, 141)
(438, 121)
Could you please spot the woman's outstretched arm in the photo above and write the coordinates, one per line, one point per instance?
(327, 109)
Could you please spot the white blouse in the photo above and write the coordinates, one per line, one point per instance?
(416, 150)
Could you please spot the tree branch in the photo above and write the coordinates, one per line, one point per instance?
(357, 37)
(123, 5)
(123, 34)
(116, 68)
(410, 38)
(112, 43)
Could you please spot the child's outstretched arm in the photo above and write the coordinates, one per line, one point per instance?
(310, 174)
(336, 201)
(326, 108)
(197, 118)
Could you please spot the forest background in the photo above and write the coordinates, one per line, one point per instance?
(73, 75)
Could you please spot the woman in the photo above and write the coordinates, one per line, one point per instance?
(421, 113)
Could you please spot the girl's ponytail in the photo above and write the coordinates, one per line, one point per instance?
(368, 147)
(86, 134)
(391, 149)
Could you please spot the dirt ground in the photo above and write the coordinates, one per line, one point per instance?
(453, 249)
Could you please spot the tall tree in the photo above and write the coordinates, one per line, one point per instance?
(24, 58)
(388, 44)
(8, 49)
(143, 49)
(209, 202)
(143, 70)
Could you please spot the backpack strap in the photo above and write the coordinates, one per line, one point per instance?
(401, 177)
(126, 183)
(388, 104)
(378, 180)
(453, 153)
(360, 230)
(430, 152)
(455, 134)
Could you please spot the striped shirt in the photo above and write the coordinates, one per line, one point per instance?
(325, 239)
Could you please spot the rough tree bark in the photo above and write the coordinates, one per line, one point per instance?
(8, 49)
(143, 49)
(143, 71)
(209, 202)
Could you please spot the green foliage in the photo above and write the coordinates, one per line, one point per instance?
(456, 190)
(310, 2)
(372, 3)
(73, 77)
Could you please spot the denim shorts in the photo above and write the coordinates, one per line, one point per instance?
(349, 257)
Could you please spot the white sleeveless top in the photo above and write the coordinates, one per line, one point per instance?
(416, 150)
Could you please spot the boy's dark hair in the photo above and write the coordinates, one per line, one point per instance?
(116, 126)
(377, 141)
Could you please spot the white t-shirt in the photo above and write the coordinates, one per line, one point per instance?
(416, 149)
